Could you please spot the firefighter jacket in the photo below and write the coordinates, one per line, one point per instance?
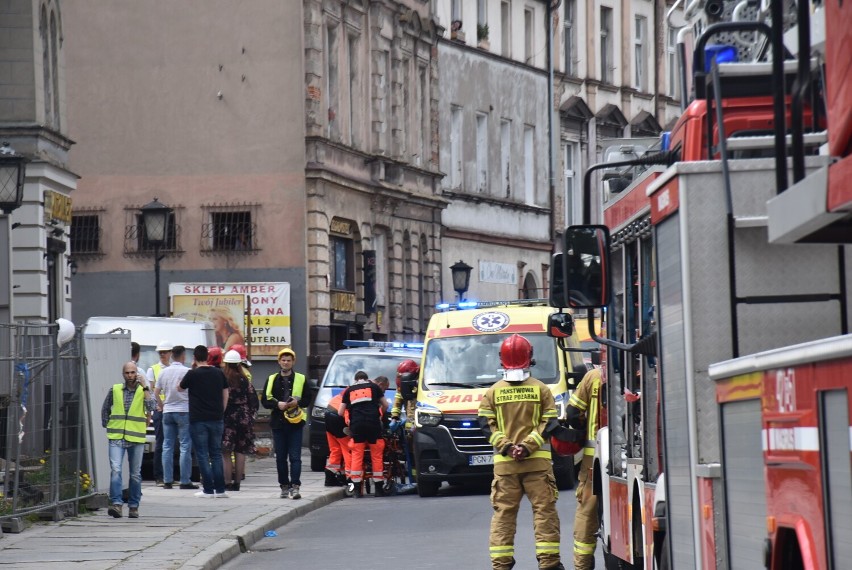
(127, 424)
(282, 388)
(516, 413)
(585, 401)
(400, 403)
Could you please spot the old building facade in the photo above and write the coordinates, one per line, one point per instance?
(294, 142)
(33, 121)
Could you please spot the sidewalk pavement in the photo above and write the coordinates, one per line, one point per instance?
(175, 529)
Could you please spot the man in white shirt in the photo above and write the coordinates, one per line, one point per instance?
(174, 405)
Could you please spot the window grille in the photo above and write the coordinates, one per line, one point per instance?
(86, 233)
(230, 228)
(135, 240)
(342, 263)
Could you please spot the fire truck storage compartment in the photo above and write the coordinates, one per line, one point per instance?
(837, 474)
(679, 481)
(744, 481)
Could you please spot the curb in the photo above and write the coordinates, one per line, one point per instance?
(243, 538)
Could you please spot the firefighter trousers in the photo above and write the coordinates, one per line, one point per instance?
(586, 518)
(356, 460)
(338, 454)
(506, 494)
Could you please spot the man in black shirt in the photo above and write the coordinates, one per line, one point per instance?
(208, 397)
(366, 403)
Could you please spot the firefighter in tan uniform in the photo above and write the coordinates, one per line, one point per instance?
(514, 414)
(583, 412)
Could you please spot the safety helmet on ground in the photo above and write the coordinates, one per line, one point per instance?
(241, 349)
(407, 366)
(164, 346)
(214, 356)
(287, 350)
(232, 357)
(516, 353)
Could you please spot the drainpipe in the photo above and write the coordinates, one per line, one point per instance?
(551, 154)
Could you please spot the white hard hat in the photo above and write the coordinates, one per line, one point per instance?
(232, 357)
(164, 345)
(65, 332)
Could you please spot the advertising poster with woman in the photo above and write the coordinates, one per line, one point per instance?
(225, 312)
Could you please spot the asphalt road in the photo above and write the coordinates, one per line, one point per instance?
(447, 531)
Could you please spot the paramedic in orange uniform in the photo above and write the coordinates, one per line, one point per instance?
(365, 402)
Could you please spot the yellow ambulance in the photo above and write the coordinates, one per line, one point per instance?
(461, 359)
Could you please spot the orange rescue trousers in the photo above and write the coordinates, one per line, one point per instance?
(356, 465)
(338, 454)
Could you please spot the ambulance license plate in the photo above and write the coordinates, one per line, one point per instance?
(481, 459)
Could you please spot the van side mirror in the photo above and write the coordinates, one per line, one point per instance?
(560, 325)
(596, 357)
(408, 385)
(585, 267)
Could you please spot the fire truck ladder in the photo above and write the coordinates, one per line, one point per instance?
(749, 80)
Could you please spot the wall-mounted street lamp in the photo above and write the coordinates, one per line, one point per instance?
(12, 169)
(461, 278)
(155, 219)
(72, 266)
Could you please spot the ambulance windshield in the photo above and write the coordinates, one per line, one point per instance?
(474, 361)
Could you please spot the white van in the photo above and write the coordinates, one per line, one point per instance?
(150, 331)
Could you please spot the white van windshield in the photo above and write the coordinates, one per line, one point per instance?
(474, 361)
(342, 369)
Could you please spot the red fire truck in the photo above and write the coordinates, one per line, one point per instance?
(726, 294)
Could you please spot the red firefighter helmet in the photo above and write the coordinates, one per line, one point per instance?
(516, 353)
(214, 356)
(405, 367)
(565, 448)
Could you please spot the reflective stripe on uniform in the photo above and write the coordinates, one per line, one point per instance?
(537, 438)
(495, 437)
(501, 551)
(546, 548)
(486, 413)
(584, 548)
(541, 453)
(578, 403)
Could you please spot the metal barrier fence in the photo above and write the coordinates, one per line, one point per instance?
(45, 442)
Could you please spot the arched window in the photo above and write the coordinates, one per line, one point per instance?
(54, 69)
(530, 290)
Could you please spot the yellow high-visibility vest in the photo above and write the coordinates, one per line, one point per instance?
(127, 424)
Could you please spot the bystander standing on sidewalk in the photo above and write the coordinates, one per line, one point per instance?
(123, 414)
(286, 395)
(174, 405)
(238, 437)
(164, 349)
(208, 397)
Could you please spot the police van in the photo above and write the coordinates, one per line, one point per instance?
(461, 360)
(373, 357)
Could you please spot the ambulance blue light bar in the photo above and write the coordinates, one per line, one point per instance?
(486, 304)
(381, 344)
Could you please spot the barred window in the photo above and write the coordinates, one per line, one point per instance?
(342, 263)
(135, 239)
(230, 228)
(86, 234)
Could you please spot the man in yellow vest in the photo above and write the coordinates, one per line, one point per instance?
(583, 412)
(164, 349)
(514, 414)
(287, 396)
(123, 414)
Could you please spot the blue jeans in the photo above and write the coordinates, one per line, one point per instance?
(177, 424)
(134, 461)
(207, 442)
(288, 445)
(157, 421)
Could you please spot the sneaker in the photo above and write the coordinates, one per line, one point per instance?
(115, 511)
(168, 485)
(222, 495)
(285, 492)
(204, 495)
(294, 492)
(160, 483)
(234, 487)
(134, 513)
(188, 486)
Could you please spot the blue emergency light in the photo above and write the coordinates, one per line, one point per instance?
(381, 344)
(467, 424)
(720, 54)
